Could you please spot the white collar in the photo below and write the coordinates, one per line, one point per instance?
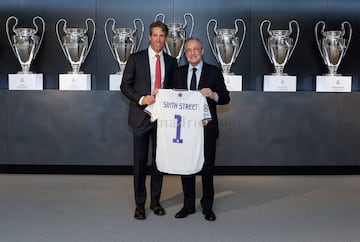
(152, 53)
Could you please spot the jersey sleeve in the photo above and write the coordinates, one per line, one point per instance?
(206, 110)
(152, 111)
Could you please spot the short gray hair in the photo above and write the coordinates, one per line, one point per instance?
(194, 38)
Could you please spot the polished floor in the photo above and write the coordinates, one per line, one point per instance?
(99, 208)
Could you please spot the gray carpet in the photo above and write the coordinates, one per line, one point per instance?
(79, 208)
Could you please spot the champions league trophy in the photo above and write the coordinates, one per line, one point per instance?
(333, 46)
(123, 43)
(226, 47)
(177, 35)
(279, 47)
(76, 47)
(25, 45)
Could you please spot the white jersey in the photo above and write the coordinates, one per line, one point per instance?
(180, 131)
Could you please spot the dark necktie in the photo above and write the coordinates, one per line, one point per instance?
(193, 80)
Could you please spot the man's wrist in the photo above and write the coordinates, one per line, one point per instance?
(140, 100)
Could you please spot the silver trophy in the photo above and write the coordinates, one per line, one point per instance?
(177, 35)
(226, 45)
(75, 43)
(123, 41)
(333, 45)
(25, 43)
(279, 45)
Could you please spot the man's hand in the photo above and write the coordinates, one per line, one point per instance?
(147, 100)
(207, 92)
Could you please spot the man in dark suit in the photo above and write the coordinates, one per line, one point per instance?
(210, 81)
(145, 72)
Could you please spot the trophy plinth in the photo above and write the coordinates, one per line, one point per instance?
(26, 81)
(115, 81)
(279, 83)
(177, 35)
(25, 43)
(333, 45)
(226, 45)
(75, 43)
(75, 82)
(233, 82)
(333, 83)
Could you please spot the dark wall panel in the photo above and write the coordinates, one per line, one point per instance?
(257, 129)
(71, 128)
(280, 129)
(3, 127)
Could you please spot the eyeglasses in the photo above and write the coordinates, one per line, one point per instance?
(195, 49)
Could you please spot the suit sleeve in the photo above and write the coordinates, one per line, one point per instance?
(128, 81)
(220, 89)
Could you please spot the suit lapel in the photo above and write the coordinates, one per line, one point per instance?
(166, 63)
(203, 78)
(145, 59)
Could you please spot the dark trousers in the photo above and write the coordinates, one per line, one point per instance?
(207, 177)
(141, 152)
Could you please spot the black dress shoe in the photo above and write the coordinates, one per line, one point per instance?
(184, 212)
(209, 215)
(140, 212)
(157, 208)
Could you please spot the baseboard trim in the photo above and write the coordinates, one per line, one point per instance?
(219, 170)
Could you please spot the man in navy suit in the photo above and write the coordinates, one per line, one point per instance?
(210, 81)
(138, 85)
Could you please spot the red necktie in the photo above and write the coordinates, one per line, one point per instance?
(157, 73)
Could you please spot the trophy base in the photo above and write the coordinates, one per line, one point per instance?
(75, 72)
(279, 83)
(75, 82)
(233, 82)
(28, 81)
(331, 74)
(279, 74)
(115, 81)
(333, 83)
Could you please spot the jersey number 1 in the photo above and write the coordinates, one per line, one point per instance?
(177, 139)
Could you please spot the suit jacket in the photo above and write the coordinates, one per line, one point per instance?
(211, 77)
(136, 82)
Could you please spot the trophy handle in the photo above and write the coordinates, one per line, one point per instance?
(158, 16)
(36, 30)
(93, 35)
(208, 36)
(317, 37)
(107, 34)
(243, 35)
(142, 32)
(13, 28)
(262, 36)
(58, 35)
(343, 25)
(192, 23)
(297, 34)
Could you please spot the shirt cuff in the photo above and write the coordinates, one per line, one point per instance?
(216, 98)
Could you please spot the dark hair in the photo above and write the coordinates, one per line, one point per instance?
(160, 25)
